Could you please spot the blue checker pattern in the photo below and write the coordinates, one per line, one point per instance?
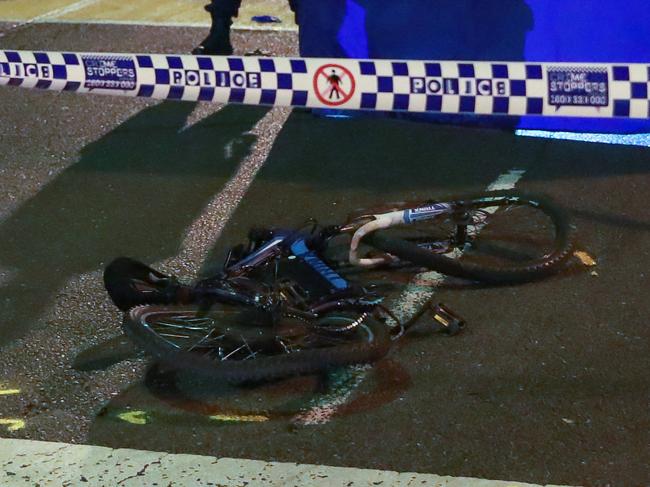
(463, 87)
(42, 65)
(634, 81)
(243, 81)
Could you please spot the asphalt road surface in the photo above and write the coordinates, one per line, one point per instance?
(548, 384)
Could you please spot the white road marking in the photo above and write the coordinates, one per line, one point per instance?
(27, 462)
(202, 234)
(417, 293)
(52, 14)
(344, 382)
(153, 23)
(48, 17)
(68, 9)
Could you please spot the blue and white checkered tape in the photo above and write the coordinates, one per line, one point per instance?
(473, 87)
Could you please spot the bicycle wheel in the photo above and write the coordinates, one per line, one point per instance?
(509, 238)
(229, 343)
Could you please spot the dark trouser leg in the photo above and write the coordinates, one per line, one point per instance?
(218, 40)
(293, 5)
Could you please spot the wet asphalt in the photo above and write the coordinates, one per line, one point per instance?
(548, 384)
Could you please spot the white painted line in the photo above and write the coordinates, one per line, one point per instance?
(74, 7)
(417, 293)
(202, 234)
(150, 23)
(507, 181)
(343, 385)
(48, 16)
(26, 462)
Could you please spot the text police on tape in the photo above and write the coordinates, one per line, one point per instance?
(221, 79)
(456, 86)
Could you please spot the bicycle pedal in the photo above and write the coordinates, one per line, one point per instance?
(451, 323)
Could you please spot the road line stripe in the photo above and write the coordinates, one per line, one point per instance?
(50, 15)
(65, 10)
(418, 292)
(202, 234)
(343, 384)
(151, 23)
(44, 463)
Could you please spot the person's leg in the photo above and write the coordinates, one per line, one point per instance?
(218, 40)
(293, 5)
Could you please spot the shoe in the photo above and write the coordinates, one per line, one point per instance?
(218, 41)
(210, 48)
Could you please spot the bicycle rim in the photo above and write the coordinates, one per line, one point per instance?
(227, 342)
(511, 238)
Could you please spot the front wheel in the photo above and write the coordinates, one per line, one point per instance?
(498, 237)
(236, 344)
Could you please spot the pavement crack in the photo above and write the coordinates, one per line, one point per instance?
(141, 472)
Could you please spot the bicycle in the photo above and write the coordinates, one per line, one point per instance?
(281, 307)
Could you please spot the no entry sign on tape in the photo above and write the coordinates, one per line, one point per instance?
(473, 87)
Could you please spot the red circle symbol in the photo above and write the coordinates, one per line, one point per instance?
(334, 84)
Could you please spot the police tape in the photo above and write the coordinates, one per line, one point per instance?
(471, 87)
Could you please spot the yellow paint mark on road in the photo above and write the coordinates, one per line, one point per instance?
(13, 424)
(7, 392)
(585, 258)
(134, 417)
(253, 418)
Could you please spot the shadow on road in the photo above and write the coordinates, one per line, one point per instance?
(132, 192)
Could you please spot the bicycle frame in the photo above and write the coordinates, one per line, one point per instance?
(359, 227)
(365, 224)
(340, 294)
(291, 245)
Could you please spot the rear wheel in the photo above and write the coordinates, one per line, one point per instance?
(501, 237)
(233, 342)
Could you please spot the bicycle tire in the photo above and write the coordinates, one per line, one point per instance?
(369, 342)
(559, 251)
